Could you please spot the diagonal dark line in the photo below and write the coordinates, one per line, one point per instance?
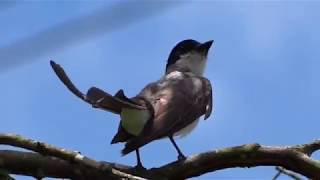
(102, 21)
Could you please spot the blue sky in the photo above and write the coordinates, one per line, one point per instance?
(264, 67)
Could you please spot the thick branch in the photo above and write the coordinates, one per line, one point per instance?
(39, 166)
(35, 165)
(294, 158)
(309, 148)
(250, 155)
(105, 169)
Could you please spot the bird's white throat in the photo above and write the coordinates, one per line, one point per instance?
(194, 61)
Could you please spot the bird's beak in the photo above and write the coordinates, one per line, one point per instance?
(204, 47)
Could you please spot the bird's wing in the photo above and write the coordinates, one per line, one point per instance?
(209, 97)
(176, 103)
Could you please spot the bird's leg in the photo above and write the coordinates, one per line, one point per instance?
(139, 164)
(180, 156)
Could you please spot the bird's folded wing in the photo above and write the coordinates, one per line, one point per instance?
(207, 89)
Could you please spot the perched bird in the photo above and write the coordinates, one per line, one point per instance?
(170, 107)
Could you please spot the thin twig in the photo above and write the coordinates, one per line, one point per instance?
(277, 175)
(291, 174)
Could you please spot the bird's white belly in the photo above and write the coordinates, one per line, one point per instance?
(186, 130)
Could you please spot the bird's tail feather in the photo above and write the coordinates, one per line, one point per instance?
(105, 101)
(95, 96)
(66, 80)
(121, 136)
(134, 144)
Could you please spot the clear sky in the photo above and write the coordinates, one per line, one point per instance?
(264, 67)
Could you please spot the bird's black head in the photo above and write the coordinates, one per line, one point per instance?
(185, 47)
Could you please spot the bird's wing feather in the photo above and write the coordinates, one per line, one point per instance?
(208, 93)
(176, 104)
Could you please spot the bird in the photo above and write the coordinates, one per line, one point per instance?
(167, 108)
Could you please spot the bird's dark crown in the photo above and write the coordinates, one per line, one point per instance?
(181, 48)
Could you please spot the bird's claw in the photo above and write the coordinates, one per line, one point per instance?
(139, 167)
(181, 157)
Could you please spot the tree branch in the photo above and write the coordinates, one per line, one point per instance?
(310, 148)
(50, 161)
(251, 155)
(291, 174)
(35, 165)
(72, 157)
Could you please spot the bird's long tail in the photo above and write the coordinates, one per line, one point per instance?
(133, 144)
(95, 96)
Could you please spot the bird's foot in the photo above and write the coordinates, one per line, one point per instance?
(139, 167)
(181, 157)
